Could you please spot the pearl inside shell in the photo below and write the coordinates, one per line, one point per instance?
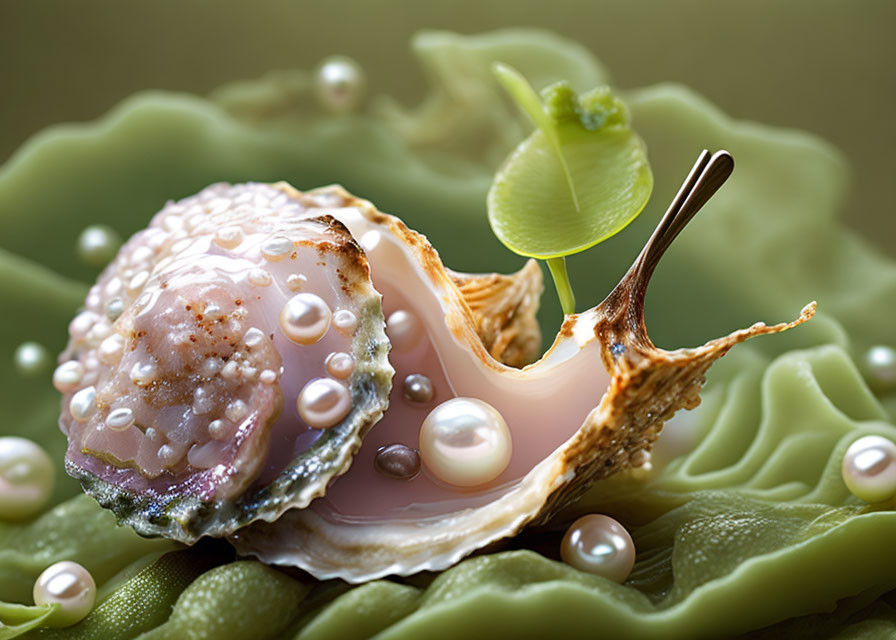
(869, 468)
(598, 544)
(465, 442)
(305, 318)
(69, 585)
(323, 403)
(26, 478)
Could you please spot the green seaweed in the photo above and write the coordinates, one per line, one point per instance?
(750, 527)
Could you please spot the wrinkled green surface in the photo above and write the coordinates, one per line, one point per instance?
(752, 527)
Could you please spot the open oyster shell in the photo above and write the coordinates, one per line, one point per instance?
(584, 411)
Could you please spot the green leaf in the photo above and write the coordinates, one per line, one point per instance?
(577, 180)
(16, 619)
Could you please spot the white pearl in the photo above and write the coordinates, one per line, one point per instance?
(339, 85)
(340, 365)
(869, 468)
(31, 359)
(276, 248)
(110, 349)
(465, 442)
(98, 244)
(136, 284)
(403, 329)
(268, 376)
(143, 373)
(880, 365)
(323, 403)
(599, 545)
(69, 585)
(259, 278)
(203, 401)
(296, 281)
(26, 478)
(253, 337)
(167, 455)
(345, 322)
(114, 308)
(81, 324)
(120, 419)
(229, 237)
(305, 318)
(220, 429)
(236, 411)
(211, 366)
(83, 404)
(68, 376)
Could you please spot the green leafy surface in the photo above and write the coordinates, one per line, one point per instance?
(749, 527)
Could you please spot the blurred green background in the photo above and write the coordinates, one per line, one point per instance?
(820, 65)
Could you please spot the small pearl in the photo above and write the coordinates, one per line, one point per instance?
(869, 468)
(397, 461)
(83, 404)
(110, 349)
(69, 585)
(68, 376)
(599, 545)
(98, 244)
(323, 403)
(137, 283)
(418, 388)
(305, 318)
(403, 329)
(81, 324)
(340, 365)
(203, 401)
(211, 366)
(880, 365)
(26, 478)
(143, 373)
(31, 359)
(229, 237)
(253, 337)
(230, 371)
(236, 411)
(296, 281)
(345, 322)
(259, 278)
(339, 85)
(276, 248)
(465, 442)
(268, 376)
(114, 308)
(221, 429)
(120, 419)
(167, 455)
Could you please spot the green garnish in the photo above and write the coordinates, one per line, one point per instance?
(581, 177)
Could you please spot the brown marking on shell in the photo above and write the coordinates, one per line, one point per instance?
(504, 309)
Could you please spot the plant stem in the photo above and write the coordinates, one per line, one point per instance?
(561, 283)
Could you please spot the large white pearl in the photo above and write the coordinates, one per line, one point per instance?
(880, 365)
(31, 358)
(305, 318)
(98, 244)
(339, 85)
(69, 585)
(599, 545)
(465, 442)
(26, 478)
(323, 403)
(869, 468)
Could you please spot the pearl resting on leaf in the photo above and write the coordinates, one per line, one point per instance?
(516, 446)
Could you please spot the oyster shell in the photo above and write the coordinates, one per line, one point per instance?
(584, 411)
(175, 375)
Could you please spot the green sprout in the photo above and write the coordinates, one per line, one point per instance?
(581, 177)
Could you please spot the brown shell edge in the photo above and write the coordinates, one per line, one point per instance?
(648, 386)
